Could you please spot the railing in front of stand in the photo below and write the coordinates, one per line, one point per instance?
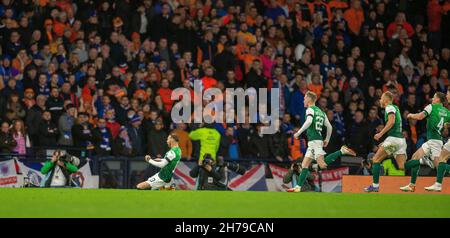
(123, 172)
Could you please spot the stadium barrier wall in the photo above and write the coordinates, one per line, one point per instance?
(390, 184)
(126, 172)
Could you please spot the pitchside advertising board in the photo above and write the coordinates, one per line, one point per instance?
(255, 179)
(8, 174)
(14, 172)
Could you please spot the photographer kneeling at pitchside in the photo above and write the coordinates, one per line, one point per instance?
(294, 172)
(211, 174)
(58, 170)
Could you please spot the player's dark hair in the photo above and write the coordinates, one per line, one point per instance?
(175, 137)
(442, 97)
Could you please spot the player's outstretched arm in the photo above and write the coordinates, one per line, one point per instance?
(160, 163)
(304, 127)
(416, 116)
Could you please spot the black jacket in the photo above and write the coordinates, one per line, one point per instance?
(160, 27)
(244, 136)
(119, 148)
(225, 142)
(223, 62)
(116, 53)
(279, 143)
(256, 80)
(177, 81)
(136, 23)
(33, 118)
(7, 142)
(187, 45)
(262, 146)
(335, 142)
(157, 142)
(137, 139)
(121, 114)
(204, 183)
(56, 106)
(48, 133)
(358, 138)
(80, 136)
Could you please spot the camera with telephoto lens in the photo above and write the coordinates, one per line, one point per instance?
(64, 157)
(235, 167)
(297, 165)
(207, 159)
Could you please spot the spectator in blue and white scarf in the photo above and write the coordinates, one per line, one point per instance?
(102, 138)
(122, 144)
(338, 119)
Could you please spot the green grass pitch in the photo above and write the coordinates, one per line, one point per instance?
(39, 202)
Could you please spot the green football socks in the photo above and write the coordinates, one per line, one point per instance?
(442, 168)
(332, 157)
(376, 172)
(302, 177)
(414, 165)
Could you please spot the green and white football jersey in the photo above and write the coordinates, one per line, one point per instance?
(437, 115)
(314, 131)
(396, 130)
(173, 156)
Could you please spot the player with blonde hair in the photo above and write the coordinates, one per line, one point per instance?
(316, 120)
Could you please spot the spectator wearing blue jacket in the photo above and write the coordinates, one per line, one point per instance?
(274, 10)
(286, 124)
(229, 146)
(326, 66)
(285, 93)
(297, 108)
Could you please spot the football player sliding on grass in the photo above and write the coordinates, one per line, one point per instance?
(316, 120)
(167, 164)
(394, 144)
(437, 116)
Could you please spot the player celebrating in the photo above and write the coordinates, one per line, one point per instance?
(315, 121)
(436, 115)
(443, 157)
(394, 144)
(167, 165)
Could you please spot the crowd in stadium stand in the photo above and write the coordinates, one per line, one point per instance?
(99, 74)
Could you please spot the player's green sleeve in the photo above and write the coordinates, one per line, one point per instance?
(47, 167)
(72, 168)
